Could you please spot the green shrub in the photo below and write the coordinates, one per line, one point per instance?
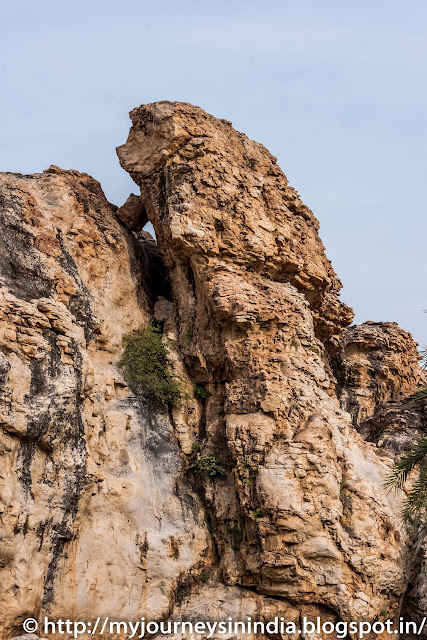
(208, 465)
(204, 576)
(200, 392)
(343, 489)
(182, 593)
(244, 463)
(196, 446)
(144, 363)
(236, 534)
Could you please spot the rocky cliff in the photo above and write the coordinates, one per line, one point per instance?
(107, 507)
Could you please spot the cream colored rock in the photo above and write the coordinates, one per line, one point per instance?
(91, 522)
(28, 636)
(301, 513)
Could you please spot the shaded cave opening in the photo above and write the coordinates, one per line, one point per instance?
(156, 278)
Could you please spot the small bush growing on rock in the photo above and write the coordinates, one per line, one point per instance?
(200, 392)
(196, 446)
(244, 463)
(144, 363)
(182, 593)
(208, 465)
(237, 538)
(204, 576)
(236, 533)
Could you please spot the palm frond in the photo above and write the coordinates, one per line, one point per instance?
(415, 504)
(407, 462)
(419, 395)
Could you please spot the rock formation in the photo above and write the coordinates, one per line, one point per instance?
(91, 520)
(376, 363)
(103, 510)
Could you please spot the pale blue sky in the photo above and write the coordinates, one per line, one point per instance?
(335, 89)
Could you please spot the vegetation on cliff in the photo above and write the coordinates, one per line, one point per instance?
(144, 363)
(207, 464)
(415, 459)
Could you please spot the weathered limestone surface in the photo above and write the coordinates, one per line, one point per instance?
(100, 513)
(302, 513)
(91, 522)
(376, 363)
(378, 373)
(377, 369)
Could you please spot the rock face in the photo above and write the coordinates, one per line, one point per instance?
(376, 363)
(90, 518)
(104, 511)
(252, 286)
(396, 426)
(230, 200)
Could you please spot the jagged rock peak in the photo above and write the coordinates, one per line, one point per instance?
(106, 509)
(224, 197)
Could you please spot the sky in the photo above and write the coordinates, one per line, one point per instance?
(337, 90)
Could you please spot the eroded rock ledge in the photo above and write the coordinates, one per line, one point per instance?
(99, 512)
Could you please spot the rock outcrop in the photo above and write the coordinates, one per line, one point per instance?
(376, 363)
(251, 282)
(91, 521)
(132, 213)
(104, 509)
